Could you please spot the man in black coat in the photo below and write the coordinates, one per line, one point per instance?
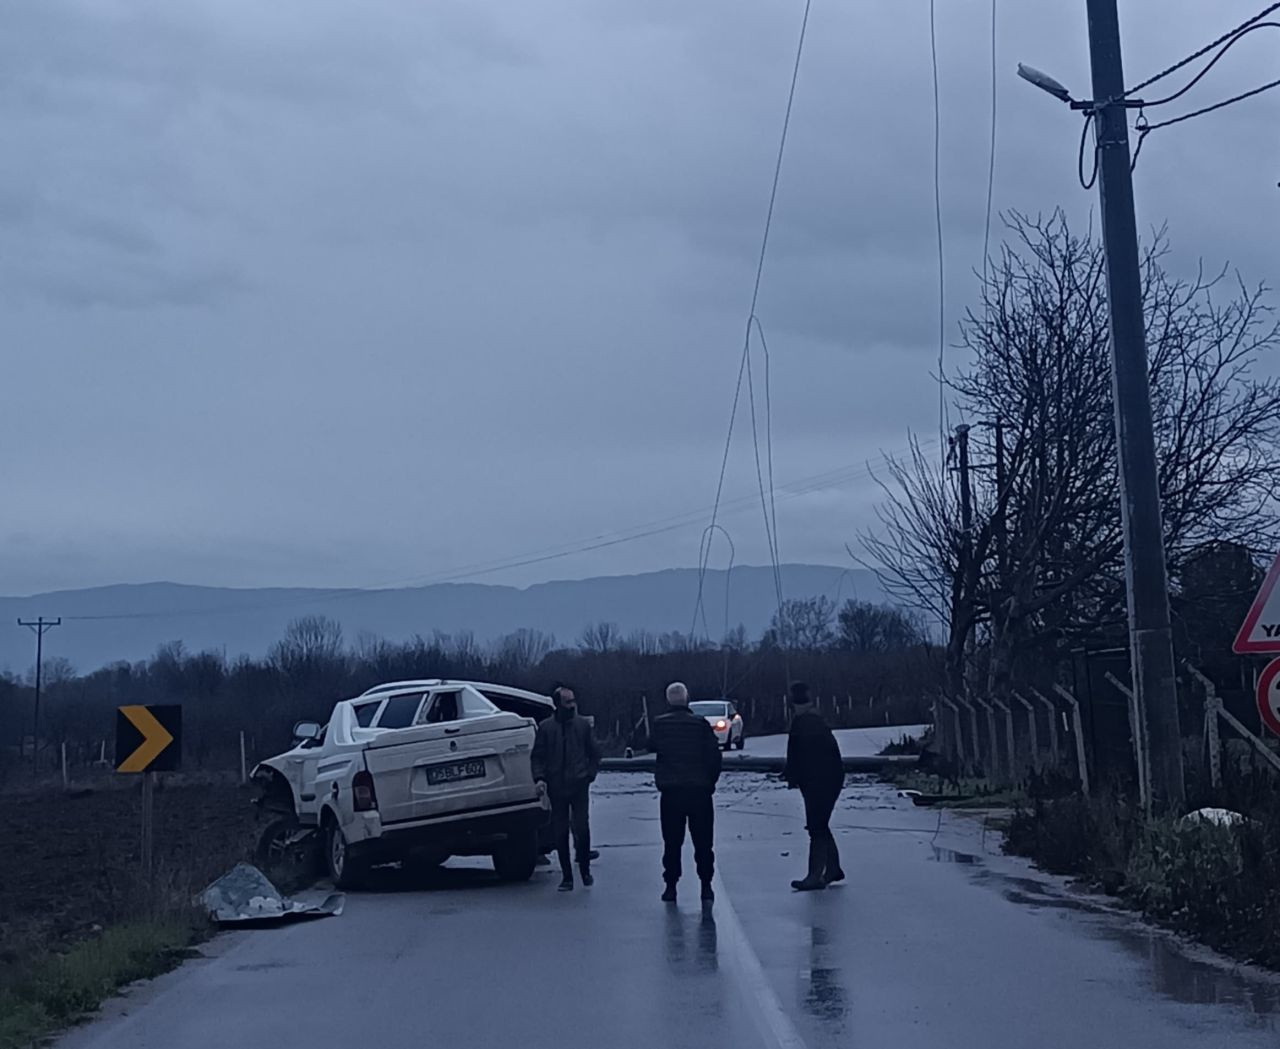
(566, 759)
(688, 768)
(815, 767)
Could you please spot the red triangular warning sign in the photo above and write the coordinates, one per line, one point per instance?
(1260, 631)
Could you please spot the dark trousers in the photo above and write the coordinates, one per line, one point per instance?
(569, 810)
(695, 808)
(818, 806)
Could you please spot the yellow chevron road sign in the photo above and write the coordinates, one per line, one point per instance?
(148, 738)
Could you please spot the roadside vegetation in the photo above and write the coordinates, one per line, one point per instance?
(77, 918)
(1219, 884)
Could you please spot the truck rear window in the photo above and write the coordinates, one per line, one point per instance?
(400, 711)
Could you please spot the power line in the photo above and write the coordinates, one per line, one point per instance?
(991, 163)
(1240, 34)
(825, 480)
(755, 293)
(1222, 44)
(937, 209)
(1225, 38)
(1144, 129)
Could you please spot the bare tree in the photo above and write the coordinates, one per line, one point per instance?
(1042, 564)
(641, 642)
(803, 624)
(600, 637)
(865, 627)
(523, 649)
(308, 641)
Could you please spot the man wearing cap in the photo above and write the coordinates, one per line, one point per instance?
(688, 767)
(815, 767)
(566, 759)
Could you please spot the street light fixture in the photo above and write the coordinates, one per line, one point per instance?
(1044, 82)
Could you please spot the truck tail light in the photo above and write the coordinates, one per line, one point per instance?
(365, 797)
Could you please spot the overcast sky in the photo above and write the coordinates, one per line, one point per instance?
(326, 293)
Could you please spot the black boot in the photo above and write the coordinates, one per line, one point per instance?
(708, 893)
(834, 872)
(587, 880)
(670, 895)
(817, 865)
(566, 882)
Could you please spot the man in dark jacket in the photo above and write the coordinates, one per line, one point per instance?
(566, 759)
(815, 767)
(688, 768)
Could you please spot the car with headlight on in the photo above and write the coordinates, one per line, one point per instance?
(724, 719)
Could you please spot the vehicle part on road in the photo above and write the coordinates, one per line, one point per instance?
(245, 894)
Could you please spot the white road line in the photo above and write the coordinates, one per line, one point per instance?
(771, 1019)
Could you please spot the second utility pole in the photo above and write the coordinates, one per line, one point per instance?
(39, 627)
(1150, 636)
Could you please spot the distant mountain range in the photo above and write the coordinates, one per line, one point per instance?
(128, 622)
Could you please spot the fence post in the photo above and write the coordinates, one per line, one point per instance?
(1033, 739)
(973, 730)
(1212, 737)
(1077, 731)
(958, 749)
(1055, 752)
(993, 745)
(244, 768)
(1137, 733)
(1220, 711)
(66, 782)
(1011, 738)
(1211, 740)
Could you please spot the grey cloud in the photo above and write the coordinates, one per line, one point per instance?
(325, 292)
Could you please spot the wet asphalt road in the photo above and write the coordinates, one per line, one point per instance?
(934, 942)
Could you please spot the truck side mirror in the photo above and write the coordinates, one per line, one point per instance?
(307, 731)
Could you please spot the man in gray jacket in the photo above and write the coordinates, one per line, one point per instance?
(566, 759)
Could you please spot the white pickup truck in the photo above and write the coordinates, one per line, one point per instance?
(415, 771)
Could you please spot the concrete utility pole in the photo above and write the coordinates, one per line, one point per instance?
(39, 627)
(1150, 637)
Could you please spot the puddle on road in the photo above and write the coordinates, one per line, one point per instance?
(1175, 972)
(1190, 980)
(823, 993)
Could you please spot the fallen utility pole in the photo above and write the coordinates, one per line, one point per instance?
(1150, 636)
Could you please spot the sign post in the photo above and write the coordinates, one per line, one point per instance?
(148, 740)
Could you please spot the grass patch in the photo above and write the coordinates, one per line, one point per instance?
(1217, 884)
(59, 989)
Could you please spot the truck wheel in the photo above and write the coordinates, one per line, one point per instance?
(516, 858)
(345, 870)
(287, 850)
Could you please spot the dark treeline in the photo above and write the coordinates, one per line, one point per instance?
(869, 664)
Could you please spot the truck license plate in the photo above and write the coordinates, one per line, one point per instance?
(456, 771)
